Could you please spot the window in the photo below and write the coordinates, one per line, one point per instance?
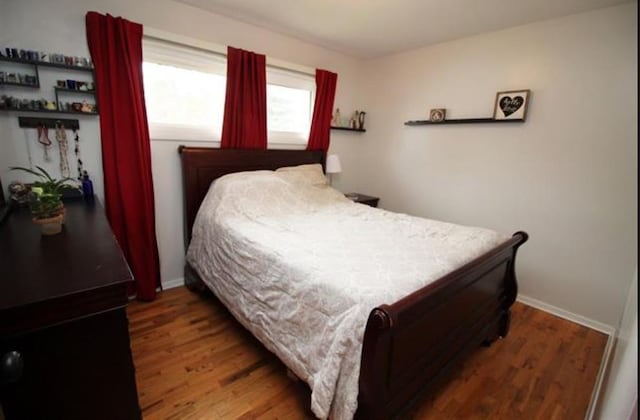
(290, 97)
(185, 91)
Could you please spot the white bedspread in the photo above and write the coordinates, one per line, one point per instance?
(301, 267)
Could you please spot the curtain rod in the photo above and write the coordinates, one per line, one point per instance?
(221, 54)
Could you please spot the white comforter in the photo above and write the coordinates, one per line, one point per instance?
(301, 267)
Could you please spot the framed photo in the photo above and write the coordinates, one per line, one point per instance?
(511, 105)
(437, 114)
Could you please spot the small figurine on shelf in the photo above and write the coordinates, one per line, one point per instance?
(353, 122)
(335, 119)
(86, 107)
(361, 120)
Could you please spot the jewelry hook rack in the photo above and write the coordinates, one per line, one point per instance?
(33, 122)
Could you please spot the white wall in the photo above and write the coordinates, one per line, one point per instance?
(50, 27)
(567, 175)
(59, 26)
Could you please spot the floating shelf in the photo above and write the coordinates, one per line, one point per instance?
(48, 111)
(27, 85)
(83, 92)
(462, 121)
(361, 130)
(45, 64)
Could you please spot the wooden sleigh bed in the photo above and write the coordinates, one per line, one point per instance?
(408, 345)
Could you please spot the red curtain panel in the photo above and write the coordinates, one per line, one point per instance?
(245, 108)
(319, 136)
(116, 49)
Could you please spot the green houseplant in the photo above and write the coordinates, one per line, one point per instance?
(46, 200)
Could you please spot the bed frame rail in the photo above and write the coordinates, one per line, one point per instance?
(412, 343)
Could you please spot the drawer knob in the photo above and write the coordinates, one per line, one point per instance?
(11, 366)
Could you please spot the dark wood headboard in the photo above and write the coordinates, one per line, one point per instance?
(202, 165)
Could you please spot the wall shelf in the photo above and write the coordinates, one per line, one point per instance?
(462, 121)
(9, 105)
(27, 85)
(361, 130)
(47, 111)
(45, 64)
(60, 90)
(82, 92)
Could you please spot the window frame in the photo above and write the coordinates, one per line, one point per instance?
(294, 79)
(182, 56)
(166, 48)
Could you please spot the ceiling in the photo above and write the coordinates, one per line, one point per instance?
(372, 28)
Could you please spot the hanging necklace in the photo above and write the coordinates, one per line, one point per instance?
(27, 141)
(77, 153)
(61, 137)
(43, 139)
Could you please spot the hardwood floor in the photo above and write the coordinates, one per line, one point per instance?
(194, 361)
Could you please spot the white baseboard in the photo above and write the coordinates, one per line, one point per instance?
(604, 367)
(170, 284)
(570, 316)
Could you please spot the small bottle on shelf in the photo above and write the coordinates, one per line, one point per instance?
(336, 119)
(87, 185)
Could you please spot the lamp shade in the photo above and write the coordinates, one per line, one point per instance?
(333, 164)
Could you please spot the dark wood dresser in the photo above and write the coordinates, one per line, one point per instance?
(64, 339)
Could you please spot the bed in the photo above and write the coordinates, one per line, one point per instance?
(407, 344)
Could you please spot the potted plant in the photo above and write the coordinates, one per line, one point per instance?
(45, 200)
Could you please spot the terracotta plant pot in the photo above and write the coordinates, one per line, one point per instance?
(63, 212)
(50, 226)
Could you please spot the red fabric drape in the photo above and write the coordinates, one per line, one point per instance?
(116, 49)
(319, 135)
(245, 108)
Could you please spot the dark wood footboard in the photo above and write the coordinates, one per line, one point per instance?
(410, 344)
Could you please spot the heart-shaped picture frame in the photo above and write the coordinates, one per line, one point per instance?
(511, 105)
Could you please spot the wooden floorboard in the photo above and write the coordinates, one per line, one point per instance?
(194, 361)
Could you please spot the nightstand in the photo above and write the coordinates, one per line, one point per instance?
(363, 199)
